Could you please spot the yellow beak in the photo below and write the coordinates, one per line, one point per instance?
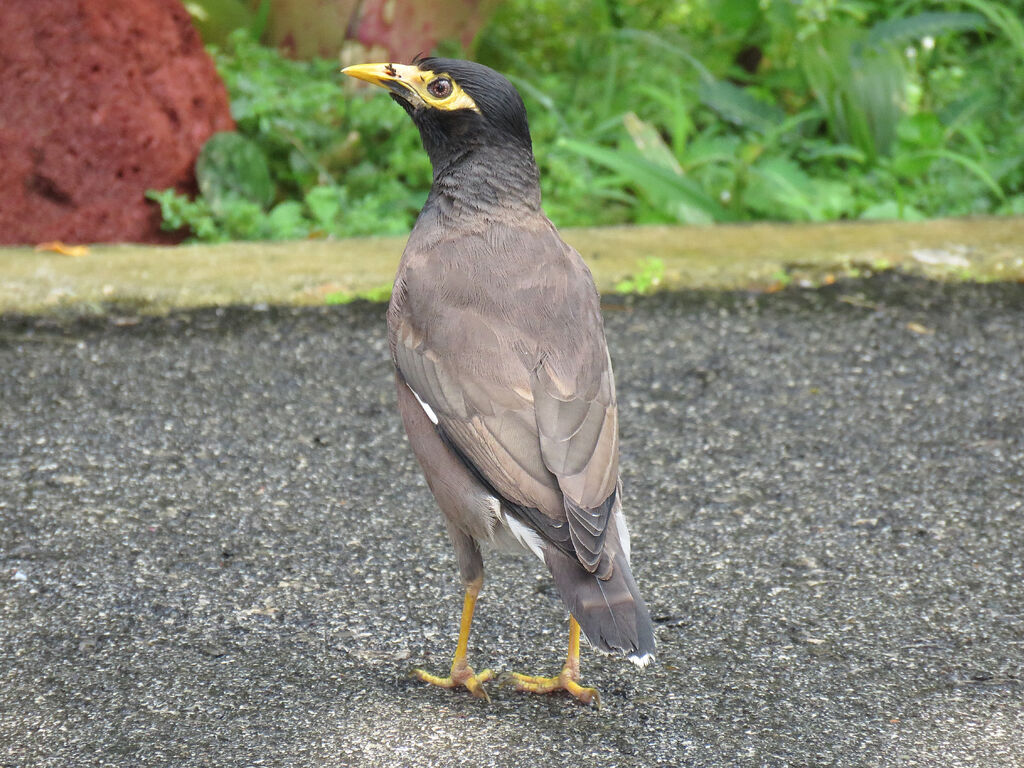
(409, 82)
(386, 75)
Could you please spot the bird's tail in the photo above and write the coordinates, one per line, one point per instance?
(610, 611)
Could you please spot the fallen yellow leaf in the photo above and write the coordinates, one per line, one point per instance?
(63, 248)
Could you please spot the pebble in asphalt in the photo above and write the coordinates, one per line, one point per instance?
(216, 547)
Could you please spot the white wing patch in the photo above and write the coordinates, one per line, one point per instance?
(620, 525)
(426, 408)
(528, 538)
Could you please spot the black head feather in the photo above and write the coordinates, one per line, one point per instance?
(501, 121)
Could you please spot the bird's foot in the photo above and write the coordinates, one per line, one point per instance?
(567, 680)
(460, 675)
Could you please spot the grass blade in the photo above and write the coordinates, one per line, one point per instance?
(972, 165)
(650, 144)
(1002, 18)
(910, 28)
(661, 185)
(737, 106)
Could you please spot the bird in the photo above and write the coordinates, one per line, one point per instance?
(504, 379)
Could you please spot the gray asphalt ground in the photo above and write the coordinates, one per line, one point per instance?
(216, 548)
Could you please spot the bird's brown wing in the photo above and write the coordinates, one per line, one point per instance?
(500, 336)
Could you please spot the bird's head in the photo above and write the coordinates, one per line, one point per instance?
(456, 104)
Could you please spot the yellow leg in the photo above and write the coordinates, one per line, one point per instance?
(462, 673)
(567, 679)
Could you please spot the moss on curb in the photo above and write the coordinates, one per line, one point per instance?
(148, 279)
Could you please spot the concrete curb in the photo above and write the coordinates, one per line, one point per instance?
(151, 279)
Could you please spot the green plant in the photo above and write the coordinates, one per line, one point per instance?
(308, 160)
(231, 168)
(662, 183)
(646, 280)
(740, 143)
(217, 19)
(699, 112)
(377, 295)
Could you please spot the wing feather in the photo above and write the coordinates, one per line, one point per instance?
(501, 335)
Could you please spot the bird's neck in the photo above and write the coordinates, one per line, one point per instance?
(481, 179)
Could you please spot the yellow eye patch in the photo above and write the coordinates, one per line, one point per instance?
(434, 90)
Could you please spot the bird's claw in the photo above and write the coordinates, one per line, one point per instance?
(566, 680)
(464, 676)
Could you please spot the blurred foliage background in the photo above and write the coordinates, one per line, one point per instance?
(649, 111)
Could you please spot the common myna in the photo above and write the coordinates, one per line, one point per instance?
(504, 381)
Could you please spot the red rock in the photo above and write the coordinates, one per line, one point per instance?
(100, 101)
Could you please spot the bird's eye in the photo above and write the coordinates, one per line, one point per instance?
(440, 87)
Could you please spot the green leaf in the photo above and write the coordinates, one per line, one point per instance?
(232, 168)
(378, 295)
(737, 16)
(709, 150)
(1013, 206)
(860, 89)
(649, 143)
(674, 107)
(660, 185)
(971, 165)
(325, 204)
(648, 277)
(890, 209)
(911, 165)
(910, 28)
(178, 211)
(834, 152)
(779, 188)
(1003, 17)
(921, 131)
(737, 106)
(654, 40)
(217, 19)
(287, 222)
(244, 220)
